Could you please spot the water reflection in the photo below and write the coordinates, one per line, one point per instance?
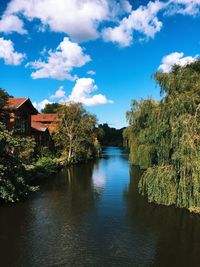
(92, 215)
(174, 233)
(98, 179)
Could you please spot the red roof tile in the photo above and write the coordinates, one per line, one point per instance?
(15, 102)
(45, 118)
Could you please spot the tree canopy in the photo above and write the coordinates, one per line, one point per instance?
(76, 133)
(109, 136)
(3, 98)
(51, 108)
(164, 139)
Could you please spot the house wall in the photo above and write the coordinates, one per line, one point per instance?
(20, 119)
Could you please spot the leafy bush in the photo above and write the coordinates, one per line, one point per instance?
(14, 184)
(44, 167)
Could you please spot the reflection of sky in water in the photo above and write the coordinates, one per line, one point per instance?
(98, 180)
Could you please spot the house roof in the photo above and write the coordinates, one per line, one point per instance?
(45, 118)
(38, 126)
(16, 103)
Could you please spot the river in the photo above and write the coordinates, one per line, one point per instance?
(91, 215)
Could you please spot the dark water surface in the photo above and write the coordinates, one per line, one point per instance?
(92, 215)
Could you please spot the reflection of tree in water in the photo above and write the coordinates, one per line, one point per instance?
(176, 231)
(81, 194)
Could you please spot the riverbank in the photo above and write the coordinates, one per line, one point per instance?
(40, 171)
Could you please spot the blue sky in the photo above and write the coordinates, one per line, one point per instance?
(48, 47)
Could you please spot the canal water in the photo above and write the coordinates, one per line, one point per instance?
(91, 215)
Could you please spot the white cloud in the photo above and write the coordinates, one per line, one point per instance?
(11, 23)
(41, 105)
(82, 20)
(120, 35)
(60, 93)
(61, 62)
(8, 53)
(79, 19)
(82, 93)
(143, 20)
(184, 7)
(91, 72)
(175, 59)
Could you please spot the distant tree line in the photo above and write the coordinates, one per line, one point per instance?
(164, 139)
(109, 136)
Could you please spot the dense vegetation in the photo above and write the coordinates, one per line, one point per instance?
(76, 138)
(22, 165)
(51, 108)
(14, 154)
(109, 136)
(164, 139)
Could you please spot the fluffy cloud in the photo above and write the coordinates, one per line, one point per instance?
(143, 20)
(60, 93)
(82, 20)
(8, 53)
(39, 106)
(82, 91)
(11, 23)
(61, 62)
(175, 59)
(79, 19)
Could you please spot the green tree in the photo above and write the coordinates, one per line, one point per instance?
(166, 139)
(51, 108)
(76, 133)
(3, 98)
(13, 174)
(110, 136)
(3, 101)
(14, 154)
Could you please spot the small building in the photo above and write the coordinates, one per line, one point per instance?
(19, 112)
(19, 118)
(47, 120)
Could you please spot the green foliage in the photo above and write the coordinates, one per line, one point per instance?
(110, 136)
(44, 167)
(51, 108)
(76, 136)
(164, 138)
(3, 101)
(13, 174)
(3, 98)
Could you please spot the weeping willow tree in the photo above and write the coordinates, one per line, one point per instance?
(164, 139)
